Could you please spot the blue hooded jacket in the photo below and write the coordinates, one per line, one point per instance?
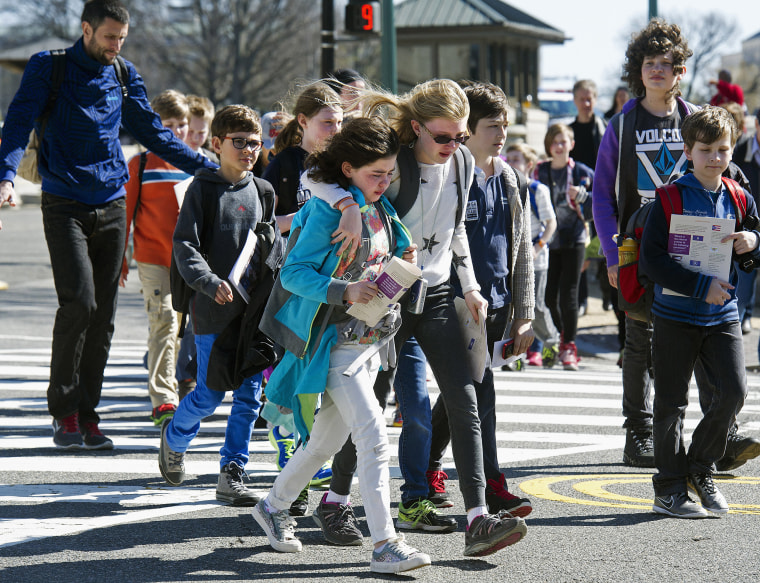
(304, 286)
(80, 155)
(671, 274)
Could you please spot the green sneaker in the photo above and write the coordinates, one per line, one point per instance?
(284, 446)
(550, 355)
(423, 515)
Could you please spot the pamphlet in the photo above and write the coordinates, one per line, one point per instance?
(695, 243)
(475, 343)
(393, 281)
(243, 274)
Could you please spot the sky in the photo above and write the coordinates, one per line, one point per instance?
(601, 32)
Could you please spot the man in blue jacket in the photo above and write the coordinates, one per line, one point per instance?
(83, 206)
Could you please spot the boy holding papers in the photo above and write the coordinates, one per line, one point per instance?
(702, 324)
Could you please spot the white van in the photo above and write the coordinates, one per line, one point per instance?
(558, 104)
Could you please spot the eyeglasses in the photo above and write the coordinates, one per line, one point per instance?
(443, 140)
(241, 143)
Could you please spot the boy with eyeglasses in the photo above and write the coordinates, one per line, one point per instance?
(218, 211)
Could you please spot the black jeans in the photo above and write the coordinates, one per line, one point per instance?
(676, 347)
(637, 375)
(562, 282)
(86, 245)
(485, 391)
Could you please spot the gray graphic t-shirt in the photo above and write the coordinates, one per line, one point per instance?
(659, 151)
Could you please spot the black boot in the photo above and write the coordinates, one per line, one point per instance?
(639, 450)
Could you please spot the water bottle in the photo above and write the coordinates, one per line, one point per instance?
(628, 251)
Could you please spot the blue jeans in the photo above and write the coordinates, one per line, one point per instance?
(720, 352)
(203, 401)
(86, 245)
(416, 430)
(440, 337)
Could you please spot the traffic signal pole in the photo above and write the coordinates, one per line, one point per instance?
(328, 38)
(388, 70)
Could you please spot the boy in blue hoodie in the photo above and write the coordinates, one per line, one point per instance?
(701, 324)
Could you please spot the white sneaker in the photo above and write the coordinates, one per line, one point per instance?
(279, 528)
(396, 557)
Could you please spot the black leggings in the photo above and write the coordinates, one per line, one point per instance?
(562, 288)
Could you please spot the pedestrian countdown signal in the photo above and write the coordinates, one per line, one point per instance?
(363, 17)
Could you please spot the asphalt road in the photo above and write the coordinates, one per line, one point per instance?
(108, 516)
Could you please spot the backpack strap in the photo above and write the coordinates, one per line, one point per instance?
(57, 74)
(120, 68)
(669, 196)
(409, 181)
(140, 172)
(738, 197)
(532, 195)
(460, 159)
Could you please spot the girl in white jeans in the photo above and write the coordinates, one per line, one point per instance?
(330, 351)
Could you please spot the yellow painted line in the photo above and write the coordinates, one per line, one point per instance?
(595, 487)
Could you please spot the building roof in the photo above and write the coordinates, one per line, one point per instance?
(16, 58)
(471, 14)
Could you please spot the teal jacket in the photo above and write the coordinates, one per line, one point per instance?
(307, 303)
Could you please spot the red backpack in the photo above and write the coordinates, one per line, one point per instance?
(635, 289)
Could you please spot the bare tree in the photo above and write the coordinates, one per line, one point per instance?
(58, 18)
(241, 51)
(709, 35)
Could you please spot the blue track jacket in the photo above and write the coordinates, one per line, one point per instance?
(81, 156)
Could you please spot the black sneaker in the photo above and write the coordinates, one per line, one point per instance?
(93, 438)
(231, 487)
(184, 388)
(423, 515)
(499, 498)
(489, 533)
(66, 432)
(639, 449)
(170, 462)
(301, 504)
(338, 523)
(739, 450)
(709, 495)
(678, 506)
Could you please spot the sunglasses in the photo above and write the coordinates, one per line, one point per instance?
(241, 143)
(443, 140)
